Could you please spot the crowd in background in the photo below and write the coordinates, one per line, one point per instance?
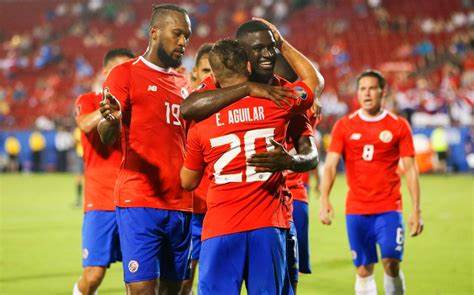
(426, 56)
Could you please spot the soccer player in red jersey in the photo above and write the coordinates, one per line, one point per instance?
(372, 141)
(201, 70)
(142, 99)
(248, 211)
(100, 241)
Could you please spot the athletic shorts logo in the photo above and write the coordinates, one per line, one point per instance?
(133, 266)
(301, 92)
(354, 255)
(385, 136)
(85, 253)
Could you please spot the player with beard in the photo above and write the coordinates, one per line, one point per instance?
(141, 103)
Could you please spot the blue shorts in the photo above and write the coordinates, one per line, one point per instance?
(155, 244)
(100, 239)
(257, 257)
(292, 253)
(301, 219)
(366, 231)
(196, 230)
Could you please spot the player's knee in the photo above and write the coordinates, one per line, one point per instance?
(171, 287)
(391, 266)
(142, 288)
(94, 276)
(365, 270)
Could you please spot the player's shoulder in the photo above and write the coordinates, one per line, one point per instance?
(396, 120)
(88, 96)
(207, 84)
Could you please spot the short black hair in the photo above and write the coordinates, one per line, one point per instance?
(161, 9)
(251, 27)
(116, 52)
(228, 57)
(375, 74)
(203, 50)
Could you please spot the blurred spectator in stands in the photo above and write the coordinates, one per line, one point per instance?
(83, 68)
(360, 8)
(13, 149)
(63, 142)
(19, 92)
(424, 48)
(37, 144)
(48, 53)
(440, 145)
(332, 105)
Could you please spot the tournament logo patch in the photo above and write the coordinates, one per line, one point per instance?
(133, 266)
(301, 92)
(85, 253)
(386, 136)
(184, 92)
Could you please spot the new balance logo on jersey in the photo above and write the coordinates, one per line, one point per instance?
(153, 88)
(356, 136)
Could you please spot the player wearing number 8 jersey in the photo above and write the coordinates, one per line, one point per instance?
(372, 141)
(248, 211)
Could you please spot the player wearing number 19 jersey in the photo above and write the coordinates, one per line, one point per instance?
(247, 212)
(153, 212)
(372, 141)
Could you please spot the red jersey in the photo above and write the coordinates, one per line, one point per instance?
(238, 198)
(301, 125)
(101, 162)
(153, 135)
(372, 148)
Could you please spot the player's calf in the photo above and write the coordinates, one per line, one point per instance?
(90, 280)
(394, 280)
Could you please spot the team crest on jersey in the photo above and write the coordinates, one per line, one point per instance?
(356, 136)
(184, 92)
(133, 266)
(386, 136)
(301, 92)
(85, 253)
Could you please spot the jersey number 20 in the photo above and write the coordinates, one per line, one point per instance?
(235, 149)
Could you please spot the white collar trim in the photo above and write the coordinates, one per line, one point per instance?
(377, 118)
(153, 66)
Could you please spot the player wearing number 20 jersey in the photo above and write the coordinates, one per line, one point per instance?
(247, 211)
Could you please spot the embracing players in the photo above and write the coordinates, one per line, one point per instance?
(100, 241)
(372, 141)
(142, 106)
(248, 211)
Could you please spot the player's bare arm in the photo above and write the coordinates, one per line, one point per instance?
(109, 126)
(412, 178)
(279, 159)
(190, 179)
(200, 105)
(302, 66)
(88, 122)
(326, 212)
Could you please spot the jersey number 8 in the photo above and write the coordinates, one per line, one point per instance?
(368, 152)
(235, 149)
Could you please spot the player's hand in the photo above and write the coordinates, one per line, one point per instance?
(326, 212)
(109, 106)
(416, 224)
(273, 28)
(275, 160)
(277, 94)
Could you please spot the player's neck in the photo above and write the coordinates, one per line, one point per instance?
(153, 58)
(372, 113)
(231, 81)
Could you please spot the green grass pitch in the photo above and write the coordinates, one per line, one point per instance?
(40, 233)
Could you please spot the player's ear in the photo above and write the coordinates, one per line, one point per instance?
(249, 67)
(154, 33)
